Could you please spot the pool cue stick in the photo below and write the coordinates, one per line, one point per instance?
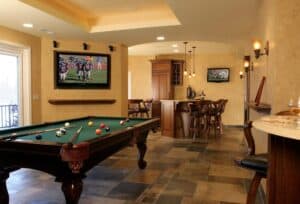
(74, 138)
(14, 136)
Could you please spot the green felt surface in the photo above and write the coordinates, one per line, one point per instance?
(87, 132)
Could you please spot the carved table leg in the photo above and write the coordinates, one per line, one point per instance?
(72, 188)
(3, 189)
(142, 151)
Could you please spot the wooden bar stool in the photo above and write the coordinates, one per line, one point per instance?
(199, 119)
(134, 106)
(217, 108)
(255, 162)
(145, 107)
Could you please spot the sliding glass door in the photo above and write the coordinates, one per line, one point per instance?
(9, 90)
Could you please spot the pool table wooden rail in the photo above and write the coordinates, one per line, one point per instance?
(69, 167)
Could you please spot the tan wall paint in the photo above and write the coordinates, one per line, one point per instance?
(141, 79)
(34, 43)
(118, 89)
(233, 91)
(279, 24)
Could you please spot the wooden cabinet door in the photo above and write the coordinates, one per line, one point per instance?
(164, 86)
(161, 87)
(155, 87)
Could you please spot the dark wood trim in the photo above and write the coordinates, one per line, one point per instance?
(262, 107)
(283, 181)
(80, 101)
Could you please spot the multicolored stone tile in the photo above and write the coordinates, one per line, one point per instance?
(179, 171)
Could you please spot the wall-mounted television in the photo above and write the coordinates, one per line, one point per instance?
(81, 70)
(218, 74)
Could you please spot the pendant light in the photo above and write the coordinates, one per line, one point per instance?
(194, 69)
(190, 72)
(185, 72)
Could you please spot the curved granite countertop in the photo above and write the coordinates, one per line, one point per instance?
(284, 126)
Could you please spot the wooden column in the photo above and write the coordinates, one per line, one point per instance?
(283, 181)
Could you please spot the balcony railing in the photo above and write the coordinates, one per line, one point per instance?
(9, 116)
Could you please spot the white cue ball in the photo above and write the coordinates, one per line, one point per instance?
(58, 133)
(67, 124)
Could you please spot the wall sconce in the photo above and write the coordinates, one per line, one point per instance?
(85, 46)
(247, 59)
(55, 44)
(241, 75)
(257, 48)
(111, 48)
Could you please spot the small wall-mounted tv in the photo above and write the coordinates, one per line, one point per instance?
(81, 70)
(218, 75)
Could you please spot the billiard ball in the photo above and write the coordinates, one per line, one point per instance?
(63, 130)
(102, 125)
(90, 123)
(67, 124)
(58, 133)
(122, 122)
(107, 129)
(127, 120)
(38, 137)
(98, 131)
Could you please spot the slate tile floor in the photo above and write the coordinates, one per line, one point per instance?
(179, 171)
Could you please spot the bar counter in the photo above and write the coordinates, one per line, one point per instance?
(283, 179)
(175, 119)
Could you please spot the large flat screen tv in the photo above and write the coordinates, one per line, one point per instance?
(218, 74)
(81, 70)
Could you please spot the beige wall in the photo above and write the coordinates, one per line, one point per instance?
(279, 24)
(140, 69)
(117, 91)
(42, 75)
(34, 43)
(233, 91)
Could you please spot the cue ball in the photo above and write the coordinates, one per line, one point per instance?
(67, 124)
(98, 131)
(90, 123)
(38, 137)
(102, 125)
(58, 133)
(107, 129)
(63, 130)
(122, 122)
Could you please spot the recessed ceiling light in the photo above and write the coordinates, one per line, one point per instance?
(174, 45)
(160, 38)
(50, 32)
(27, 25)
(176, 50)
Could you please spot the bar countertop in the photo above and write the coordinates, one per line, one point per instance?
(284, 126)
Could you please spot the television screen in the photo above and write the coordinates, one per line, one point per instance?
(82, 70)
(218, 74)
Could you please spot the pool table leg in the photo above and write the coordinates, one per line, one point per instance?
(72, 188)
(3, 189)
(142, 147)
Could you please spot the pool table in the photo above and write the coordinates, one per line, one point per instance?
(68, 157)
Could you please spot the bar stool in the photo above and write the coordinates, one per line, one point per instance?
(199, 119)
(145, 107)
(217, 108)
(134, 107)
(255, 162)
